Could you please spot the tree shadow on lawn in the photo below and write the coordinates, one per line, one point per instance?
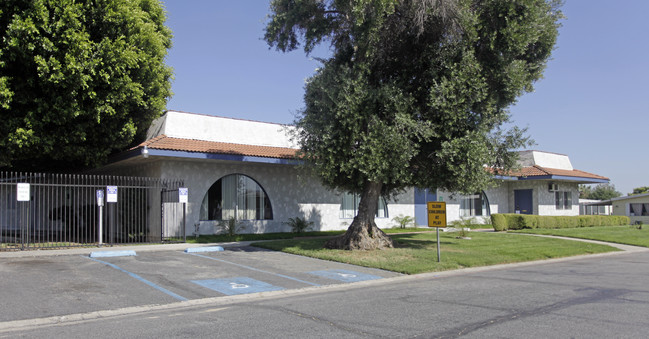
(402, 241)
(415, 242)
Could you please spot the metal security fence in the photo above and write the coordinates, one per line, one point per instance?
(40, 211)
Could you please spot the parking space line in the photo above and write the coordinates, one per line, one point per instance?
(255, 269)
(159, 288)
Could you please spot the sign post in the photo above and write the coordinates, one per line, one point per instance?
(111, 198)
(23, 194)
(100, 204)
(183, 198)
(437, 219)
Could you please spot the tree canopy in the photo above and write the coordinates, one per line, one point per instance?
(640, 190)
(415, 92)
(599, 192)
(79, 79)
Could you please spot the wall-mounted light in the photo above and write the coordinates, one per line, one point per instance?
(145, 152)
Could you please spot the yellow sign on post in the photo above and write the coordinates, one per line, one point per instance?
(436, 214)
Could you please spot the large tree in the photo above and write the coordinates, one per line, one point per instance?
(79, 79)
(599, 192)
(414, 94)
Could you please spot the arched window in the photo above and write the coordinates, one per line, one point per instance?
(236, 196)
(474, 205)
(349, 206)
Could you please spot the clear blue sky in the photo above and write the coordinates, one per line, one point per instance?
(591, 105)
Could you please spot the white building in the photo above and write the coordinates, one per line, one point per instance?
(247, 169)
(636, 207)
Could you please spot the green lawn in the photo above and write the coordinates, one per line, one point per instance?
(417, 253)
(629, 235)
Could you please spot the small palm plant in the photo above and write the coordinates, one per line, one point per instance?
(298, 225)
(404, 221)
(462, 226)
(231, 226)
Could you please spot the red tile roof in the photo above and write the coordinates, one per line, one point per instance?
(538, 171)
(164, 142)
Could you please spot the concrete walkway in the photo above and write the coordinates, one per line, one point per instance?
(623, 247)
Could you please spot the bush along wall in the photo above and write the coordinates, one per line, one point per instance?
(504, 222)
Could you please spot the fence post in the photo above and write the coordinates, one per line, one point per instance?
(162, 214)
(184, 222)
(23, 197)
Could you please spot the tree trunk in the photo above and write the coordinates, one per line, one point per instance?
(363, 234)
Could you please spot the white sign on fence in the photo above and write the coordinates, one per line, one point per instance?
(183, 194)
(111, 193)
(22, 191)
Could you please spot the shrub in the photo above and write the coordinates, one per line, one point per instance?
(231, 226)
(404, 221)
(298, 225)
(461, 225)
(499, 222)
(508, 221)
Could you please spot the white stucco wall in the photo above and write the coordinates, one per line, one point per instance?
(289, 196)
(621, 207)
(211, 128)
(501, 199)
(547, 200)
(544, 159)
(543, 201)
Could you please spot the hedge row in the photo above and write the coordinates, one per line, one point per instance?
(503, 222)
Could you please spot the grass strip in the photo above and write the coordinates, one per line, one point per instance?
(417, 253)
(204, 239)
(628, 235)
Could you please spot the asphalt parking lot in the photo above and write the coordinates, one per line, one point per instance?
(51, 285)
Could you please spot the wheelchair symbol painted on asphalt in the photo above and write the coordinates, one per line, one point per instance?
(237, 285)
(234, 285)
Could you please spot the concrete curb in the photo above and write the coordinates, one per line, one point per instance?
(204, 249)
(109, 254)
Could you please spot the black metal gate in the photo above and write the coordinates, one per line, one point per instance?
(61, 210)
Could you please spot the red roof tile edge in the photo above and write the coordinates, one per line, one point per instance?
(538, 171)
(164, 142)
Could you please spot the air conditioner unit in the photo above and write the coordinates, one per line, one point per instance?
(553, 187)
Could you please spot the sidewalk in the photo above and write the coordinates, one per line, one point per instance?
(137, 248)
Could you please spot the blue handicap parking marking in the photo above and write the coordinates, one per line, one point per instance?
(237, 285)
(345, 275)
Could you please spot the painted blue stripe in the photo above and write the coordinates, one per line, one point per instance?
(345, 275)
(256, 269)
(505, 177)
(204, 249)
(142, 280)
(563, 177)
(198, 155)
